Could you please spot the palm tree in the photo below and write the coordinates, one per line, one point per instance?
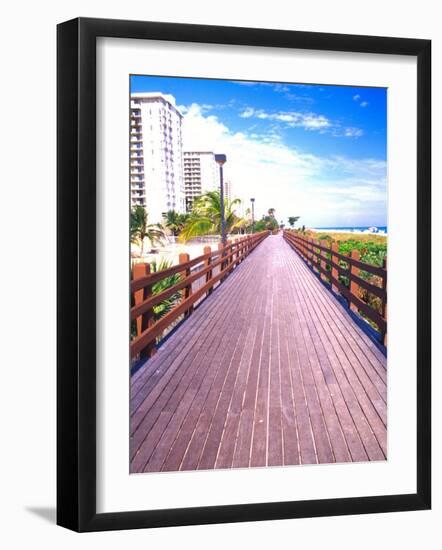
(205, 218)
(292, 220)
(175, 221)
(140, 228)
(271, 212)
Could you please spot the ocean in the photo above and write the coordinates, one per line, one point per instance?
(374, 230)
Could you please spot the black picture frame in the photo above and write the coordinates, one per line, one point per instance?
(76, 274)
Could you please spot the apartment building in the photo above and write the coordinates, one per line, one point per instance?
(228, 189)
(156, 155)
(201, 174)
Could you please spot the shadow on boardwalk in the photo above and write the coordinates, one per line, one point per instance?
(269, 370)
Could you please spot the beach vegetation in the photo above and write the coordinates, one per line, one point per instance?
(168, 304)
(141, 229)
(292, 220)
(205, 217)
(174, 221)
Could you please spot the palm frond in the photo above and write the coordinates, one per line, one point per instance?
(169, 303)
(196, 227)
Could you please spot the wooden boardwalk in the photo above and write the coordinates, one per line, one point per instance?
(269, 370)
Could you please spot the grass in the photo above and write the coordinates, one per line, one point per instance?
(359, 237)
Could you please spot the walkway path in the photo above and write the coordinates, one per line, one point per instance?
(269, 370)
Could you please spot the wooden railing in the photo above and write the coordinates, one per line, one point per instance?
(343, 273)
(196, 279)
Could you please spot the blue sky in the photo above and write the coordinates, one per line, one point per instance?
(317, 151)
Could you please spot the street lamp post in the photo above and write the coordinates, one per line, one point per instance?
(253, 214)
(220, 160)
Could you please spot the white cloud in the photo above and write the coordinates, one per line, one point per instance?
(365, 170)
(245, 83)
(247, 113)
(314, 122)
(358, 98)
(281, 88)
(309, 121)
(334, 190)
(353, 132)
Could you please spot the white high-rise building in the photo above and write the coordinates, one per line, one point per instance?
(228, 190)
(156, 155)
(201, 174)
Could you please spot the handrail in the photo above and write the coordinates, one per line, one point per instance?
(325, 260)
(143, 301)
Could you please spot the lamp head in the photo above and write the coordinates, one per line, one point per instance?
(220, 159)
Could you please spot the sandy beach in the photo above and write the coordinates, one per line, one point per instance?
(171, 251)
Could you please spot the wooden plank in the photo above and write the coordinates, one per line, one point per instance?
(346, 405)
(140, 424)
(321, 378)
(289, 421)
(192, 436)
(352, 340)
(229, 436)
(192, 399)
(269, 370)
(303, 378)
(351, 327)
(181, 341)
(234, 376)
(228, 399)
(318, 289)
(243, 444)
(258, 453)
(182, 344)
(275, 452)
(366, 403)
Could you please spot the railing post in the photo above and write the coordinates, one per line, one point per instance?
(187, 291)
(236, 255)
(222, 264)
(323, 262)
(314, 256)
(384, 303)
(335, 260)
(229, 246)
(310, 252)
(146, 320)
(354, 255)
(208, 250)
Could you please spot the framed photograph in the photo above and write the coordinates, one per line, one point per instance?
(230, 202)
